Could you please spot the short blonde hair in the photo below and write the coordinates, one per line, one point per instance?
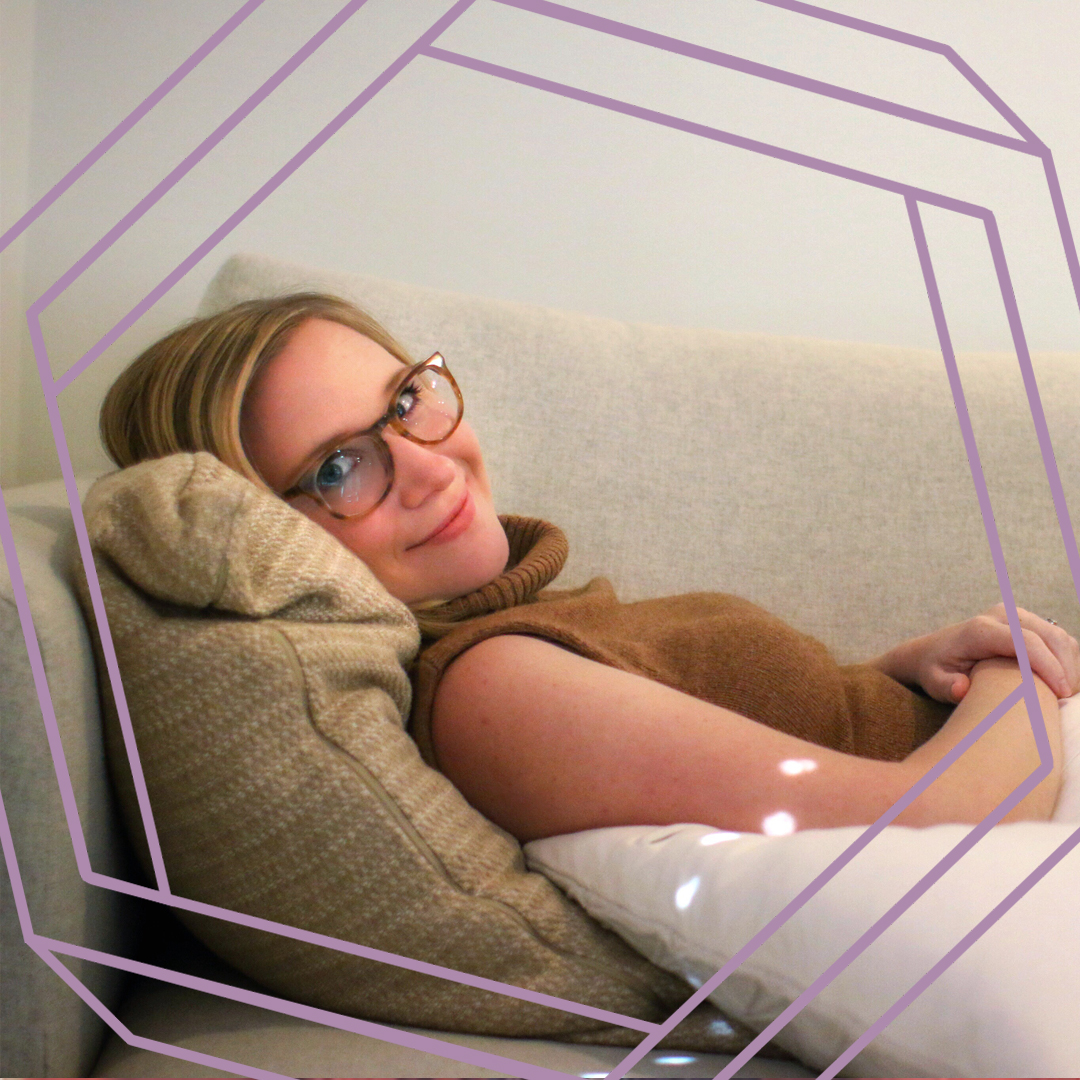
(185, 392)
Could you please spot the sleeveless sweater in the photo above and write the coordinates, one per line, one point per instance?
(714, 646)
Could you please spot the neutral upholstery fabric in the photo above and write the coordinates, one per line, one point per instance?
(262, 666)
(262, 1040)
(45, 1030)
(824, 480)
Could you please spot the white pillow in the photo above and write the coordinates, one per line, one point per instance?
(689, 898)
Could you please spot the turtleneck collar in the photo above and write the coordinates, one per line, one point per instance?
(538, 551)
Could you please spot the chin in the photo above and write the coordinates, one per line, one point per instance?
(477, 564)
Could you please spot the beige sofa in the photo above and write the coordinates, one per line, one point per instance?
(827, 481)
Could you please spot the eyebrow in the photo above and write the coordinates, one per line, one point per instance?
(332, 443)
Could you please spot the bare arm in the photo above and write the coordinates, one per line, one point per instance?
(1003, 756)
(543, 741)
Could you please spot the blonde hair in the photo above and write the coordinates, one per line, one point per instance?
(185, 392)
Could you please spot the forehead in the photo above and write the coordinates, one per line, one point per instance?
(325, 366)
(327, 380)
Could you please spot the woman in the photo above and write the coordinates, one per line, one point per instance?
(572, 711)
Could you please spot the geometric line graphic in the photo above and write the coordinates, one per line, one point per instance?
(954, 953)
(169, 182)
(125, 125)
(1025, 143)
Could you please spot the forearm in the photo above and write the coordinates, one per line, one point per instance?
(997, 763)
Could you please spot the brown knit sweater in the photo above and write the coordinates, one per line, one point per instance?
(714, 646)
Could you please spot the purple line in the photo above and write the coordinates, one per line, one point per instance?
(910, 193)
(818, 883)
(141, 794)
(140, 1041)
(853, 23)
(1002, 109)
(196, 155)
(947, 51)
(705, 131)
(854, 951)
(1035, 717)
(352, 1024)
(255, 200)
(1023, 356)
(988, 94)
(297, 934)
(952, 955)
(7, 845)
(765, 71)
(1064, 231)
(367, 952)
(975, 464)
(50, 394)
(106, 638)
(40, 947)
(128, 123)
(37, 670)
(235, 917)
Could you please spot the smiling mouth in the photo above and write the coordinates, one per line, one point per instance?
(454, 525)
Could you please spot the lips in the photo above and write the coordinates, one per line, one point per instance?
(458, 520)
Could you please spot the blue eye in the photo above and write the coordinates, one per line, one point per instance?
(407, 400)
(333, 472)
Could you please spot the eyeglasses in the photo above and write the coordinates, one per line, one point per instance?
(354, 479)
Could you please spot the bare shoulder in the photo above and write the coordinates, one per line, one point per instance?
(518, 723)
(508, 696)
(506, 663)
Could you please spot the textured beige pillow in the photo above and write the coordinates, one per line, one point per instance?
(263, 666)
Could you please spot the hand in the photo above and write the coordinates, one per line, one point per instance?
(941, 662)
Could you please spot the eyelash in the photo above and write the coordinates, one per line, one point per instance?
(412, 387)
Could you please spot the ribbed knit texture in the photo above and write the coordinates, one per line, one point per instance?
(719, 648)
(538, 551)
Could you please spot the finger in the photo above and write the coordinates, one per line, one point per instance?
(1074, 667)
(991, 637)
(1046, 665)
(960, 686)
(1062, 644)
(946, 686)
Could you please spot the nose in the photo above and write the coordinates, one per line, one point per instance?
(419, 471)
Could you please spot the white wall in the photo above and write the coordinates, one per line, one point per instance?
(458, 180)
(16, 71)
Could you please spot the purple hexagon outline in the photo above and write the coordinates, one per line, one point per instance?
(1029, 144)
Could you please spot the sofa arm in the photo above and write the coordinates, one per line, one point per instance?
(46, 1029)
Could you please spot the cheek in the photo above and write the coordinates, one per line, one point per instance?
(466, 448)
(369, 538)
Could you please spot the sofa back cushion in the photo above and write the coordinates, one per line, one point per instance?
(826, 481)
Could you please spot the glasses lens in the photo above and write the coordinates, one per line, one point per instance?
(353, 478)
(428, 406)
